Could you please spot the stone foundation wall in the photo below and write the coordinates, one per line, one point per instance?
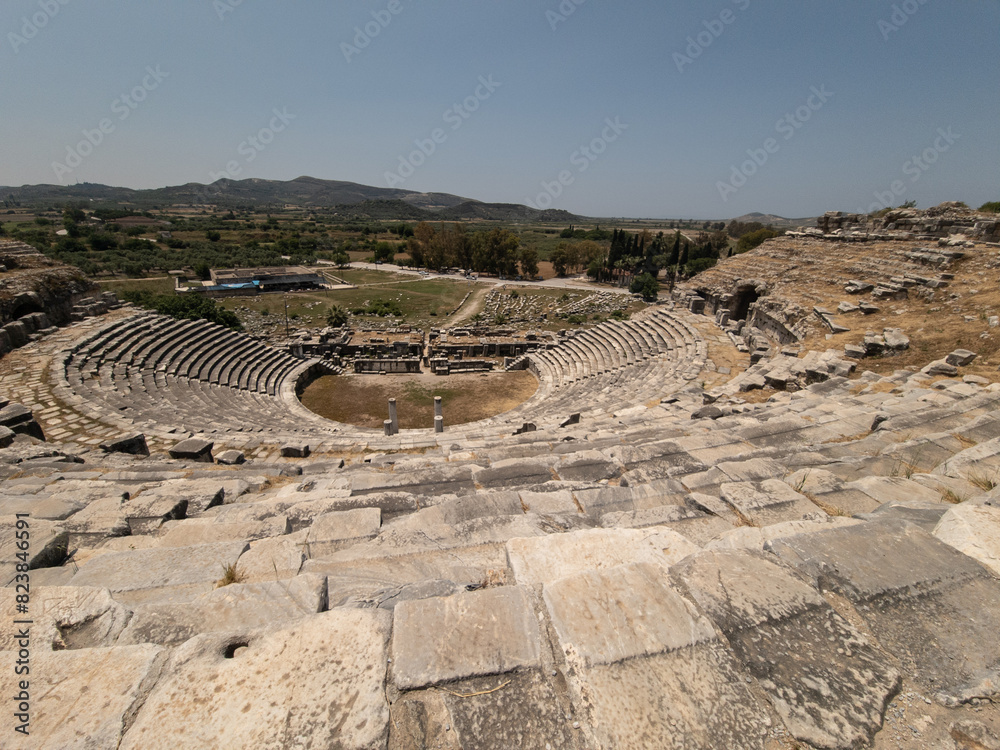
(395, 366)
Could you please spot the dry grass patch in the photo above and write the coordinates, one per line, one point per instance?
(231, 574)
(829, 509)
(983, 481)
(952, 497)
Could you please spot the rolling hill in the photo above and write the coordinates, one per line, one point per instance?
(343, 198)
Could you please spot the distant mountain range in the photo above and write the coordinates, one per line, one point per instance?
(347, 199)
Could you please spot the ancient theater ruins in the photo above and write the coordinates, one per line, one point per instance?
(760, 513)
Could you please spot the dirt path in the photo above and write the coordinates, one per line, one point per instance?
(472, 305)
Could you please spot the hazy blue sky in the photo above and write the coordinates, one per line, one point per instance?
(695, 91)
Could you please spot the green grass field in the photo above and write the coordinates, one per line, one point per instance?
(425, 303)
(158, 285)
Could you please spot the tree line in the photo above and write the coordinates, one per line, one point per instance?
(494, 251)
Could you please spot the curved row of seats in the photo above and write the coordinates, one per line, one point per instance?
(612, 367)
(615, 345)
(149, 370)
(192, 349)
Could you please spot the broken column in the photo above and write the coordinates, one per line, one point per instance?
(439, 424)
(393, 418)
(438, 411)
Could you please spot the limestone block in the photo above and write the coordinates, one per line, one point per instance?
(230, 458)
(548, 558)
(229, 608)
(894, 490)
(768, 502)
(44, 542)
(940, 367)
(275, 559)
(99, 520)
(133, 444)
(492, 631)
(324, 687)
(960, 358)
(147, 512)
(514, 472)
(649, 663)
(587, 466)
(936, 609)
(193, 449)
(112, 679)
(200, 494)
(974, 531)
(332, 531)
(753, 538)
(442, 480)
(548, 503)
(207, 531)
(160, 573)
(295, 451)
(66, 617)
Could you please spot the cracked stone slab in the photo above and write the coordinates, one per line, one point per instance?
(471, 634)
(159, 573)
(587, 466)
(332, 531)
(547, 558)
(206, 530)
(200, 494)
(529, 711)
(275, 558)
(894, 490)
(373, 581)
(442, 480)
(827, 682)
(549, 503)
(757, 538)
(147, 512)
(324, 687)
(514, 472)
(771, 501)
(99, 520)
(935, 609)
(113, 681)
(45, 542)
(247, 605)
(67, 617)
(648, 664)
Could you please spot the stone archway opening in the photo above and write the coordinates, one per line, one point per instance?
(743, 299)
(25, 304)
